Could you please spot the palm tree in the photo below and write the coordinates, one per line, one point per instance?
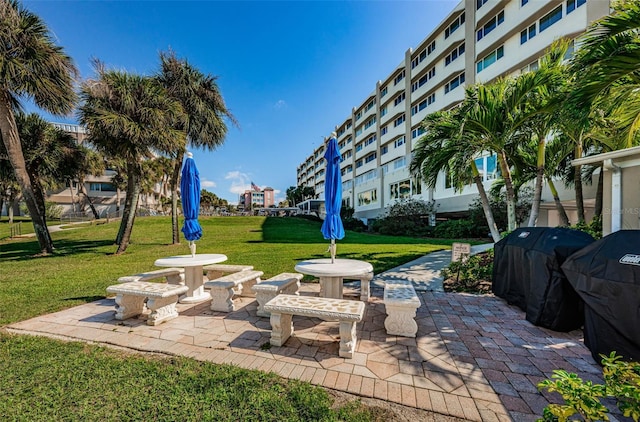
(495, 115)
(543, 104)
(203, 124)
(31, 66)
(92, 163)
(130, 117)
(444, 149)
(608, 65)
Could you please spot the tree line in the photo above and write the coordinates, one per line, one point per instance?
(130, 118)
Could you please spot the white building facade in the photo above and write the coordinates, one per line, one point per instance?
(479, 41)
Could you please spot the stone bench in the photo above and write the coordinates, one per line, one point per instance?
(171, 275)
(161, 299)
(215, 271)
(347, 312)
(265, 290)
(224, 288)
(400, 302)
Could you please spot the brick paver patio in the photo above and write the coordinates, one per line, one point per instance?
(474, 357)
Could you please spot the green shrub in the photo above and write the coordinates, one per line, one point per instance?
(470, 276)
(456, 229)
(406, 217)
(354, 224)
(622, 383)
(594, 228)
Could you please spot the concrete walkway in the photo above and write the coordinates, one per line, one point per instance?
(474, 357)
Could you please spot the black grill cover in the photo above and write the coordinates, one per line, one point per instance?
(526, 273)
(606, 275)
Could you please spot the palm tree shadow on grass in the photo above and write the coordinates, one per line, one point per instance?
(27, 250)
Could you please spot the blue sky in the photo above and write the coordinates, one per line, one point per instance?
(289, 71)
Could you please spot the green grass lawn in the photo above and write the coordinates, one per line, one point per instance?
(84, 263)
(45, 379)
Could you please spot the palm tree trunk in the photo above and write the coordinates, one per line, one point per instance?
(9, 132)
(131, 206)
(128, 201)
(484, 200)
(83, 190)
(511, 196)
(577, 180)
(599, 193)
(562, 213)
(175, 178)
(537, 193)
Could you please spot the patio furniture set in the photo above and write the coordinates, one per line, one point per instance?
(277, 296)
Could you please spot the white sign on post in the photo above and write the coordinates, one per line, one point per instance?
(460, 251)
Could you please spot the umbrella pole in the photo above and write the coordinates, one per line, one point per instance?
(192, 248)
(333, 250)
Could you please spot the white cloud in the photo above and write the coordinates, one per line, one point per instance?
(204, 183)
(280, 104)
(239, 181)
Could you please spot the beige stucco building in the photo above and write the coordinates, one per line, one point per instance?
(621, 189)
(479, 41)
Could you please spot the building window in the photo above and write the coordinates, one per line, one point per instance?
(423, 104)
(370, 105)
(358, 115)
(383, 92)
(527, 34)
(523, 2)
(480, 3)
(574, 4)
(400, 190)
(454, 83)
(554, 16)
(431, 48)
(454, 25)
(384, 130)
(400, 98)
(490, 59)
(358, 163)
(368, 197)
(359, 146)
(398, 142)
(417, 132)
(383, 111)
(398, 121)
(491, 25)
(384, 150)
(102, 187)
(455, 53)
(423, 79)
(369, 158)
(371, 139)
(370, 122)
(348, 125)
(398, 78)
(533, 66)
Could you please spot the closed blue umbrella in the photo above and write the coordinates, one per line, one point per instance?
(332, 227)
(190, 196)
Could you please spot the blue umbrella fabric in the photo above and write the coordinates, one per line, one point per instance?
(332, 227)
(190, 195)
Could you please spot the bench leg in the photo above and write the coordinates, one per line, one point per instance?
(281, 328)
(162, 309)
(400, 321)
(348, 339)
(262, 298)
(221, 299)
(128, 306)
(292, 289)
(365, 288)
(245, 289)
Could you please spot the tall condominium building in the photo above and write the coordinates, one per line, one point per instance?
(479, 41)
